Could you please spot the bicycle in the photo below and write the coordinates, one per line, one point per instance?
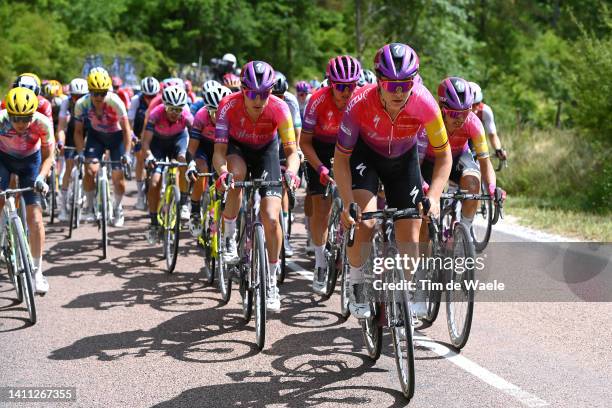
(393, 309)
(335, 240)
(75, 195)
(450, 238)
(16, 251)
(103, 210)
(490, 215)
(168, 212)
(286, 232)
(252, 269)
(53, 183)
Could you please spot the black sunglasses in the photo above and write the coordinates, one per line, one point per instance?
(21, 119)
(99, 93)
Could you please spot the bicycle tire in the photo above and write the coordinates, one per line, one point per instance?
(206, 239)
(283, 267)
(104, 216)
(459, 333)
(372, 334)
(402, 338)
(25, 272)
(224, 281)
(247, 298)
(74, 203)
(259, 266)
(172, 228)
(52, 191)
(332, 253)
(10, 258)
(23, 215)
(435, 276)
(289, 222)
(344, 301)
(485, 208)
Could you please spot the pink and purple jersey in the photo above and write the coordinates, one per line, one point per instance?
(234, 123)
(458, 139)
(322, 117)
(159, 124)
(20, 145)
(113, 110)
(366, 118)
(203, 128)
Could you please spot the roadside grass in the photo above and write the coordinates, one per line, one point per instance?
(559, 182)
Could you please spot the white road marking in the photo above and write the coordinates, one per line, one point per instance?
(462, 362)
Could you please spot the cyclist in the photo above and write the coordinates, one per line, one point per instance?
(123, 93)
(26, 150)
(32, 82)
(191, 95)
(138, 108)
(200, 103)
(369, 77)
(485, 114)
(456, 98)
(281, 90)
(245, 139)
(321, 126)
(202, 146)
(103, 114)
(65, 137)
(232, 81)
(166, 135)
(378, 140)
(303, 90)
(52, 91)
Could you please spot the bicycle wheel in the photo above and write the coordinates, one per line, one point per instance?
(247, 295)
(485, 212)
(23, 215)
(372, 333)
(208, 239)
(223, 281)
(283, 256)
(24, 266)
(344, 301)
(460, 303)
(289, 222)
(400, 318)
(435, 275)
(172, 228)
(332, 254)
(74, 206)
(52, 194)
(8, 252)
(104, 215)
(259, 265)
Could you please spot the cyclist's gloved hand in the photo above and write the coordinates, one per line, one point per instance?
(501, 154)
(300, 155)
(295, 180)
(221, 183)
(40, 185)
(126, 160)
(425, 187)
(60, 146)
(80, 158)
(324, 177)
(496, 192)
(150, 161)
(192, 172)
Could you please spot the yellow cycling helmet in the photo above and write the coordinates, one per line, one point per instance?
(21, 102)
(52, 89)
(99, 81)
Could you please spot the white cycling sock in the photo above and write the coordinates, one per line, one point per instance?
(319, 256)
(467, 221)
(37, 262)
(140, 188)
(230, 227)
(273, 266)
(356, 274)
(118, 200)
(91, 199)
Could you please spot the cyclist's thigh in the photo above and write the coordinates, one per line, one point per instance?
(467, 166)
(94, 146)
(236, 163)
(266, 159)
(116, 148)
(363, 171)
(401, 178)
(27, 171)
(204, 153)
(180, 144)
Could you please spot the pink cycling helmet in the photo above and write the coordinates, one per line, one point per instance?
(396, 61)
(455, 93)
(303, 87)
(343, 68)
(257, 76)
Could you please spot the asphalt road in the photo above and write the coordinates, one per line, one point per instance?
(127, 334)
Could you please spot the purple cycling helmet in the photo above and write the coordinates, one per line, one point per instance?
(257, 76)
(343, 68)
(396, 61)
(303, 87)
(455, 93)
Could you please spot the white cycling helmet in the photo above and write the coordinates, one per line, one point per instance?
(210, 84)
(174, 96)
(214, 94)
(149, 86)
(477, 92)
(230, 58)
(323, 83)
(78, 86)
(174, 81)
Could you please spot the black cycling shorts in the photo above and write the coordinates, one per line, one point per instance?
(461, 164)
(400, 176)
(258, 160)
(325, 151)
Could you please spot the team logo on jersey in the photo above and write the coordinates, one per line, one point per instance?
(361, 168)
(345, 129)
(329, 115)
(241, 122)
(413, 194)
(376, 120)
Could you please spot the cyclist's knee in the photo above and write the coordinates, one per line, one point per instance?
(471, 182)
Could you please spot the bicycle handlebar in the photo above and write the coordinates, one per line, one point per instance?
(15, 191)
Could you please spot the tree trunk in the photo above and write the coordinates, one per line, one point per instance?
(358, 34)
(558, 116)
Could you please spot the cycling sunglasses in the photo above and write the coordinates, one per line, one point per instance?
(341, 86)
(392, 86)
(302, 94)
(263, 95)
(99, 94)
(454, 114)
(174, 109)
(21, 119)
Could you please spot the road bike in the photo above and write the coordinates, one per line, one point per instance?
(75, 199)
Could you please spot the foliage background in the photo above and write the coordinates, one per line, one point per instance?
(543, 64)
